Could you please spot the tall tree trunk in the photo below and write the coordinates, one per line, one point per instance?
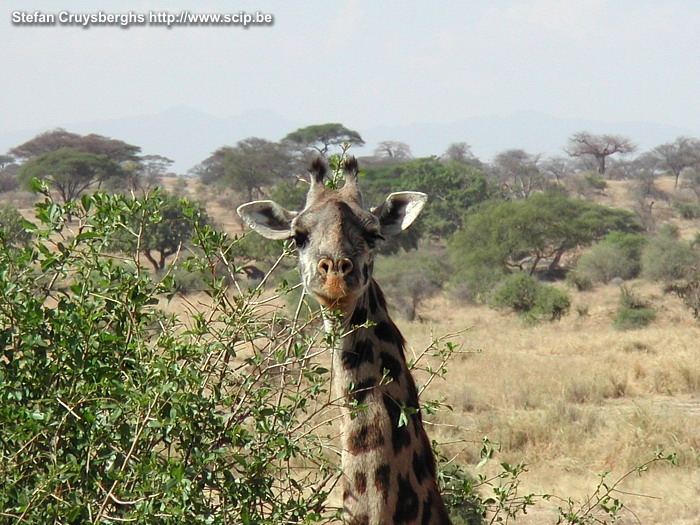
(557, 258)
(600, 161)
(149, 257)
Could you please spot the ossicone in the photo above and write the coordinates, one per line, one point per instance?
(318, 170)
(350, 168)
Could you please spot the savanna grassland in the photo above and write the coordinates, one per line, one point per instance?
(572, 399)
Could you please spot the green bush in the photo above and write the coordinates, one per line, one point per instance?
(667, 258)
(687, 210)
(634, 312)
(112, 411)
(551, 304)
(581, 282)
(595, 181)
(633, 318)
(411, 277)
(12, 228)
(534, 301)
(517, 292)
(617, 255)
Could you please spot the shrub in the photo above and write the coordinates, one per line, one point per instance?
(112, 411)
(580, 281)
(633, 318)
(687, 210)
(617, 255)
(595, 181)
(412, 277)
(689, 293)
(634, 312)
(12, 228)
(551, 303)
(605, 262)
(533, 300)
(474, 283)
(517, 292)
(8, 181)
(667, 258)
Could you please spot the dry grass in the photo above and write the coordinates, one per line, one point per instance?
(576, 398)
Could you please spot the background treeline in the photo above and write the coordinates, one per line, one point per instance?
(485, 222)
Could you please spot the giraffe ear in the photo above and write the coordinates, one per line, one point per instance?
(399, 210)
(268, 218)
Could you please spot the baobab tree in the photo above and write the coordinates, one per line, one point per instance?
(393, 149)
(599, 147)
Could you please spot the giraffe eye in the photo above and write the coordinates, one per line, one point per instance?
(372, 238)
(300, 239)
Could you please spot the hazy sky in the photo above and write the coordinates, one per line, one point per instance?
(363, 63)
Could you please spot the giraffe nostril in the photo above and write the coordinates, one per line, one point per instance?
(325, 266)
(344, 266)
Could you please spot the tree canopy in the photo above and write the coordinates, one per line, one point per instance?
(115, 150)
(599, 147)
(676, 156)
(393, 149)
(505, 235)
(452, 188)
(321, 137)
(248, 166)
(518, 173)
(71, 172)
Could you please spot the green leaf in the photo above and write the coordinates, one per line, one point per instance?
(29, 225)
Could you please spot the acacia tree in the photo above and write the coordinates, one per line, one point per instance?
(71, 172)
(248, 166)
(6, 160)
(676, 156)
(452, 187)
(147, 172)
(254, 163)
(598, 147)
(115, 150)
(501, 236)
(321, 137)
(557, 168)
(460, 152)
(518, 172)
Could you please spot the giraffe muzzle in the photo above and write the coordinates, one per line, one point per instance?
(341, 266)
(333, 276)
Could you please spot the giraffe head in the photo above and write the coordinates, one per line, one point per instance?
(335, 234)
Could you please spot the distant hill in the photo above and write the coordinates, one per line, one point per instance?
(188, 135)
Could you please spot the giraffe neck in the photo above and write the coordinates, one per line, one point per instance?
(388, 466)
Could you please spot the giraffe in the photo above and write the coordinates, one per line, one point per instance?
(387, 464)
